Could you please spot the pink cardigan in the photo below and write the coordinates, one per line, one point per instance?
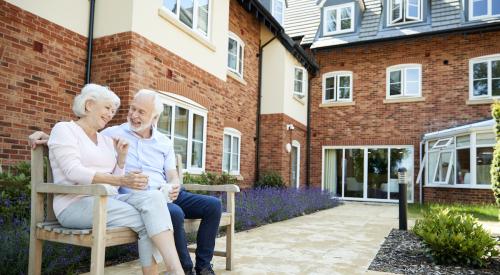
(75, 159)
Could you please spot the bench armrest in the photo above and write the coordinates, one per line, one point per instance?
(216, 188)
(91, 190)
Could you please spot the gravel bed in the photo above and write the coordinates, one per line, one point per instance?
(403, 253)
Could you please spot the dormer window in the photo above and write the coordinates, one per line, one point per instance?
(479, 9)
(278, 11)
(404, 11)
(338, 19)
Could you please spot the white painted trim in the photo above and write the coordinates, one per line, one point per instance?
(239, 44)
(338, 19)
(273, 2)
(489, 11)
(232, 133)
(403, 68)
(164, 12)
(404, 15)
(304, 82)
(488, 59)
(336, 75)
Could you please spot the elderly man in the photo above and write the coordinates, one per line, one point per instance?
(152, 153)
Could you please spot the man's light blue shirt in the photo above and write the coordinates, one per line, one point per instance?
(152, 156)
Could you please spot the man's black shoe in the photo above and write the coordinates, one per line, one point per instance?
(189, 271)
(205, 271)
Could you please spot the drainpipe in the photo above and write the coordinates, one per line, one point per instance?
(257, 134)
(308, 132)
(420, 188)
(90, 38)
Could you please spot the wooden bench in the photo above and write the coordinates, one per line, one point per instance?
(44, 225)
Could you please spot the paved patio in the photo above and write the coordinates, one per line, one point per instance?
(342, 240)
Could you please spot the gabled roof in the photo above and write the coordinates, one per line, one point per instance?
(302, 19)
(444, 16)
(265, 17)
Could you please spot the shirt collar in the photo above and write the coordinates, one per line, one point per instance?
(154, 132)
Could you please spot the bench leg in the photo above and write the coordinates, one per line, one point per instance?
(98, 236)
(35, 256)
(229, 246)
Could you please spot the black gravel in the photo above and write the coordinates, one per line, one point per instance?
(403, 253)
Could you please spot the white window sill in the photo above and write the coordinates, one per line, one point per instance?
(479, 101)
(459, 186)
(337, 104)
(299, 99)
(236, 77)
(404, 99)
(174, 21)
(338, 32)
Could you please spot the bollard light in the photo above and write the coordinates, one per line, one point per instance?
(403, 202)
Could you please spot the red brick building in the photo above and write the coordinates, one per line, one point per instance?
(396, 90)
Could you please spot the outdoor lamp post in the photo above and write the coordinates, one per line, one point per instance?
(403, 203)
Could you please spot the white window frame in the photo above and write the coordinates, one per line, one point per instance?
(489, 11)
(192, 109)
(280, 20)
(195, 17)
(232, 133)
(430, 175)
(338, 19)
(403, 68)
(337, 75)
(240, 46)
(488, 59)
(304, 82)
(404, 13)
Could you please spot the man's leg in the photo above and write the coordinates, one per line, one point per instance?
(209, 210)
(177, 216)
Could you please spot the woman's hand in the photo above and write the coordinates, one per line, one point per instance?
(134, 180)
(37, 138)
(121, 147)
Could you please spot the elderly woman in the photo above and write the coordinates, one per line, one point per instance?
(79, 154)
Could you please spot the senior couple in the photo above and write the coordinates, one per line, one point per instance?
(139, 161)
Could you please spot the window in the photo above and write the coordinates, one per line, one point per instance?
(404, 11)
(484, 75)
(338, 19)
(231, 151)
(193, 13)
(300, 82)
(462, 160)
(479, 9)
(404, 81)
(186, 126)
(337, 86)
(235, 54)
(278, 11)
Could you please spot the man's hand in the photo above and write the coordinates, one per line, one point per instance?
(174, 193)
(37, 138)
(134, 180)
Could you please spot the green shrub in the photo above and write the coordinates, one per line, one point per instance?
(15, 192)
(495, 165)
(270, 179)
(453, 238)
(207, 178)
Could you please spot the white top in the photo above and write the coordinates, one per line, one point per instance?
(75, 159)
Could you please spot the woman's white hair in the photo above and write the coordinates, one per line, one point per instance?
(96, 93)
(156, 100)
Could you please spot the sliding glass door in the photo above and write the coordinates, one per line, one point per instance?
(367, 173)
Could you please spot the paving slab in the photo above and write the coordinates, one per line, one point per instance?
(341, 240)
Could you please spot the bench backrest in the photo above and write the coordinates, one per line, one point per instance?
(41, 171)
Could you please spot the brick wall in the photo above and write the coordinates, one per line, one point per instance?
(274, 137)
(473, 196)
(370, 121)
(128, 62)
(42, 67)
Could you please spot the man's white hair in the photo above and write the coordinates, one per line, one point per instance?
(158, 105)
(93, 92)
